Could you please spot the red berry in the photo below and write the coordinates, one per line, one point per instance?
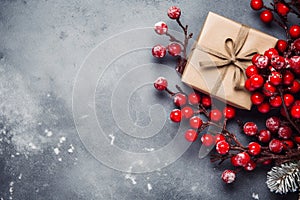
(206, 101)
(282, 112)
(229, 112)
(295, 31)
(297, 103)
(215, 115)
(288, 78)
(267, 162)
(260, 61)
(174, 49)
(174, 12)
(295, 87)
(161, 28)
(294, 63)
(297, 139)
(187, 112)
(251, 70)
(207, 140)
(254, 148)
(265, 107)
(270, 53)
(161, 83)
(268, 89)
(266, 16)
(251, 165)
(273, 124)
(278, 62)
(288, 144)
(250, 128)
(288, 99)
(219, 137)
(196, 122)
(296, 45)
(228, 176)
(194, 98)
(275, 78)
(282, 9)
(295, 111)
(175, 115)
(234, 161)
(257, 98)
(257, 81)
(248, 86)
(264, 136)
(275, 146)
(285, 132)
(281, 45)
(191, 135)
(242, 159)
(159, 51)
(256, 4)
(275, 101)
(179, 99)
(222, 147)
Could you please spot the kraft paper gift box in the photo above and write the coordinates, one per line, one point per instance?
(217, 63)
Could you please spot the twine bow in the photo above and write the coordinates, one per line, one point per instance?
(233, 58)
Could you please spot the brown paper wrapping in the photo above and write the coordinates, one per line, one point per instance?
(216, 30)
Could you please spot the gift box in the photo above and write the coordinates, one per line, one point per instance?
(222, 52)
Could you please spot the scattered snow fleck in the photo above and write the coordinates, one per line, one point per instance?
(149, 149)
(255, 196)
(149, 186)
(59, 159)
(48, 95)
(112, 139)
(32, 146)
(56, 151)
(49, 133)
(20, 176)
(71, 149)
(62, 139)
(84, 116)
(131, 177)
(11, 189)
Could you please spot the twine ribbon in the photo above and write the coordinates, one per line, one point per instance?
(232, 58)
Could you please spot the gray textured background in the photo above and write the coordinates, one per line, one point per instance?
(43, 43)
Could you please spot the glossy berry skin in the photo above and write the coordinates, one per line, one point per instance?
(295, 111)
(191, 135)
(281, 45)
(174, 49)
(265, 107)
(174, 12)
(273, 124)
(264, 136)
(248, 86)
(161, 28)
(254, 148)
(294, 63)
(268, 89)
(287, 144)
(296, 45)
(160, 83)
(187, 112)
(228, 176)
(297, 139)
(275, 78)
(282, 9)
(260, 61)
(251, 165)
(295, 87)
(206, 101)
(219, 137)
(229, 112)
(159, 51)
(294, 31)
(175, 115)
(285, 132)
(275, 146)
(196, 122)
(242, 159)
(250, 128)
(256, 81)
(256, 4)
(207, 140)
(194, 98)
(234, 161)
(270, 53)
(180, 99)
(278, 62)
(222, 147)
(266, 16)
(251, 70)
(257, 98)
(215, 115)
(288, 99)
(275, 101)
(288, 78)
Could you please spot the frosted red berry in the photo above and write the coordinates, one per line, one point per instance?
(264, 136)
(206, 101)
(295, 87)
(285, 132)
(294, 63)
(180, 99)
(256, 4)
(228, 176)
(250, 128)
(265, 107)
(254, 148)
(251, 165)
(288, 99)
(282, 9)
(175, 115)
(191, 135)
(270, 53)
(229, 112)
(268, 89)
(275, 146)
(260, 61)
(222, 147)
(174, 49)
(234, 161)
(215, 115)
(159, 51)
(294, 31)
(160, 83)
(207, 140)
(266, 16)
(296, 45)
(194, 98)
(275, 78)
(281, 45)
(275, 101)
(257, 98)
(278, 62)
(242, 159)
(196, 122)
(219, 137)
(273, 124)
(174, 12)
(287, 144)
(251, 70)
(187, 112)
(295, 111)
(248, 86)
(161, 28)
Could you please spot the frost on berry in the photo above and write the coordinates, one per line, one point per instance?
(161, 28)
(228, 176)
(273, 124)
